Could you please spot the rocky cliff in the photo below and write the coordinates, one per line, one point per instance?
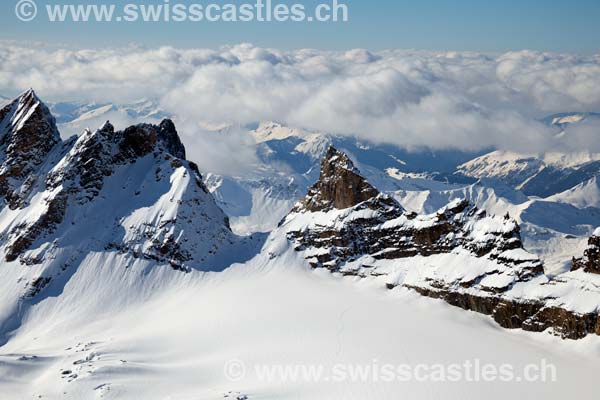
(28, 134)
(590, 262)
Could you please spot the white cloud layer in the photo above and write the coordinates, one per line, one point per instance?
(442, 100)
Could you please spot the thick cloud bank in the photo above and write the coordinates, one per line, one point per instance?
(411, 98)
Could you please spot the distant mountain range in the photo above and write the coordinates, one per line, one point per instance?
(498, 181)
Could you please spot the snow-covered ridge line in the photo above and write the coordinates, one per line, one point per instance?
(459, 254)
(535, 175)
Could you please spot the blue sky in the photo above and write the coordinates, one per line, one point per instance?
(478, 25)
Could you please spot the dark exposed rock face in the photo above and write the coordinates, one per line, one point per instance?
(168, 135)
(591, 257)
(27, 135)
(345, 225)
(23, 235)
(532, 315)
(340, 186)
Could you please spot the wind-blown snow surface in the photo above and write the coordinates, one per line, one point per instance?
(153, 333)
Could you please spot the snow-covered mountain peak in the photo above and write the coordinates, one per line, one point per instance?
(336, 161)
(343, 218)
(586, 194)
(272, 130)
(106, 127)
(510, 167)
(133, 185)
(459, 254)
(27, 115)
(169, 137)
(541, 175)
(111, 199)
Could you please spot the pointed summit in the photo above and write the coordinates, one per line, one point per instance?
(28, 133)
(168, 135)
(339, 186)
(29, 92)
(107, 127)
(28, 115)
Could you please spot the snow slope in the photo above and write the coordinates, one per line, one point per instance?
(160, 334)
(586, 194)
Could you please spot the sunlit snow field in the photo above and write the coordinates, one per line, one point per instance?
(154, 333)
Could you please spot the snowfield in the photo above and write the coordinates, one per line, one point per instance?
(155, 333)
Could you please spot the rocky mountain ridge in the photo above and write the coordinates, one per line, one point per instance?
(130, 191)
(459, 254)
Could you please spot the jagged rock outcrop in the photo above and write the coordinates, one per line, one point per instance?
(359, 220)
(590, 262)
(133, 187)
(28, 134)
(458, 254)
(167, 134)
(339, 186)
